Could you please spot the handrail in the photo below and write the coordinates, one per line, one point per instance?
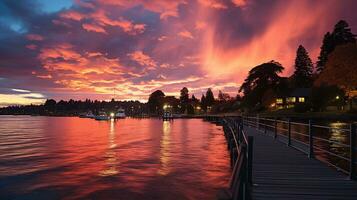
(331, 128)
(241, 147)
(309, 139)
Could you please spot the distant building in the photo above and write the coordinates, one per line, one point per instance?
(299, 95)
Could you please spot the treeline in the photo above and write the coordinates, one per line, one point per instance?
(158, 102)
(74, 108)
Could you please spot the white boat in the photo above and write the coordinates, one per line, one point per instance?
(88, 114)
(101, 116)
(120, 114)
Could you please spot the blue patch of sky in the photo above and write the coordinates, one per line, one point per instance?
(7, 20)
(51, 6)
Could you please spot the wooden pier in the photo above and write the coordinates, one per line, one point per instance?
(281, 172)
(277, 166)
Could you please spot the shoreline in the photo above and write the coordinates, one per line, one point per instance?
(294, 116)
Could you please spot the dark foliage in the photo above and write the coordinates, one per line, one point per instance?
(73, 108)
(260, 79)
(302, 76)
(341, 35)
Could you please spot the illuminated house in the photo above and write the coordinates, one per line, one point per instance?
(299, 95)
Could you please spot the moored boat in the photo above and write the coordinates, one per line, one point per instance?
(88, 114)
(120, 114)
(101, 116)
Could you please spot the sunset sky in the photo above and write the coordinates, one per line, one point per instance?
(81, 49)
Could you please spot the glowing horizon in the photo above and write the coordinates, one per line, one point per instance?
(78, 49)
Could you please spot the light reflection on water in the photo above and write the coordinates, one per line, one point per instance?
(337, 133)
(73, 158)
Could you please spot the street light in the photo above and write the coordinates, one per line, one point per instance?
(337, 97)
(112, 115)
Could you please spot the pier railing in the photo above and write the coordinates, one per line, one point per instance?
(338, 152)
(240, 147)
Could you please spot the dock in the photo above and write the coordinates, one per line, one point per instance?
(270, 165)
(282, 172)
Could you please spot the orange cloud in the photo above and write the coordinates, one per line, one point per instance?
(186, 34)
(93, 28)
(78, 71)
(217, 4)
(73, 15)
(164, 7)
(100, 20)
(239, 3)
(143, 59)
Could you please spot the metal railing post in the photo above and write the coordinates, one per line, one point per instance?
(352, 150)
(265, 128)
(289, 133)
(239, 129)
(250, 160)
(311, 141)
(275, 128)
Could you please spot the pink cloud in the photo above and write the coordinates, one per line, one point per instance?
(143, 59)
(128, 26)
(73, 15)
(239, 3)
(186, 34)
(93, 28)
(164, 7)
(217, 4)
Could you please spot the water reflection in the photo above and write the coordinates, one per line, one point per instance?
(111, 160)
(165, 148)
(337, 132)
(75, 158)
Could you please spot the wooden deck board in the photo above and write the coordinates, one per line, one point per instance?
(281, 172)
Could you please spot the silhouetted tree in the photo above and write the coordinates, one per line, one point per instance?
(341, 69)
(260, 79)
(223, 96)
(209, 97)
(155, 101)
(194, 99)
(341, 35)
(184, 99)
(303, 68)
(203, 103)
(50, 105)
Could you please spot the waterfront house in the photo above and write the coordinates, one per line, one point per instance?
(297, 96)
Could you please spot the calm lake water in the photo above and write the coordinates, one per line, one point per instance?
(74, 158)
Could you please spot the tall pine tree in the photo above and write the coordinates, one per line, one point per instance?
(303, 68)
(341, 35)
(209, 97)
(326, 48)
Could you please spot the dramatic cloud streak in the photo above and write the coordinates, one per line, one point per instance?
(86, 49)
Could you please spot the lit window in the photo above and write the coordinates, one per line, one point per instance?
(279, 101)
(301, 99)
(291, 99)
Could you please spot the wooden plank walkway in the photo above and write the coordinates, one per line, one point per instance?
(282, 172)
